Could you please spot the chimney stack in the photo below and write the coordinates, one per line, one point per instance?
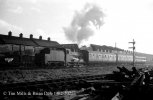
(21, 35)
(9, 33)
(31, 36)
(48, 38)
(40, 37)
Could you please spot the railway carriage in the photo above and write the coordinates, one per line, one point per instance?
(96, 57)
(100, 57)
(139, 59)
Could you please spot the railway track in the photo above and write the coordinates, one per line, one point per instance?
(54, 81)
(51, 88)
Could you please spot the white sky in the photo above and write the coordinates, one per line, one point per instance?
(124, 20)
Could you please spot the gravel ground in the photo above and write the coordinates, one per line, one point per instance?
(15, 76)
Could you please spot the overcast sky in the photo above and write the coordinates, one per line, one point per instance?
(123, 21)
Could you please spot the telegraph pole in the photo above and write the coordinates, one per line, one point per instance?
(133, 42)
(116, 53)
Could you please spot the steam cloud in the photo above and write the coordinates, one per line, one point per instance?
(80, 27)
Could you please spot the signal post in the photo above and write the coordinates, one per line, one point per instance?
(133, 42)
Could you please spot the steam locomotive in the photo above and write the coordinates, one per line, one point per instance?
(56, 57)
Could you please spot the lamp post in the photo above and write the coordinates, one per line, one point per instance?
(133, 42)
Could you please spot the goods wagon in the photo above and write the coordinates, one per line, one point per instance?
(16, 58)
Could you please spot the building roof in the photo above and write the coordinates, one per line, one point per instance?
(45, 43)
(104, 47)
(5, 39)
(70, 46)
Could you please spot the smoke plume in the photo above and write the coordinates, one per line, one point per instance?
(80, 28)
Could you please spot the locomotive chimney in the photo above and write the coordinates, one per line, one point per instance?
(21, 35)
(9, 33)
(48, 38)
(40, 37)
(31, 36)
